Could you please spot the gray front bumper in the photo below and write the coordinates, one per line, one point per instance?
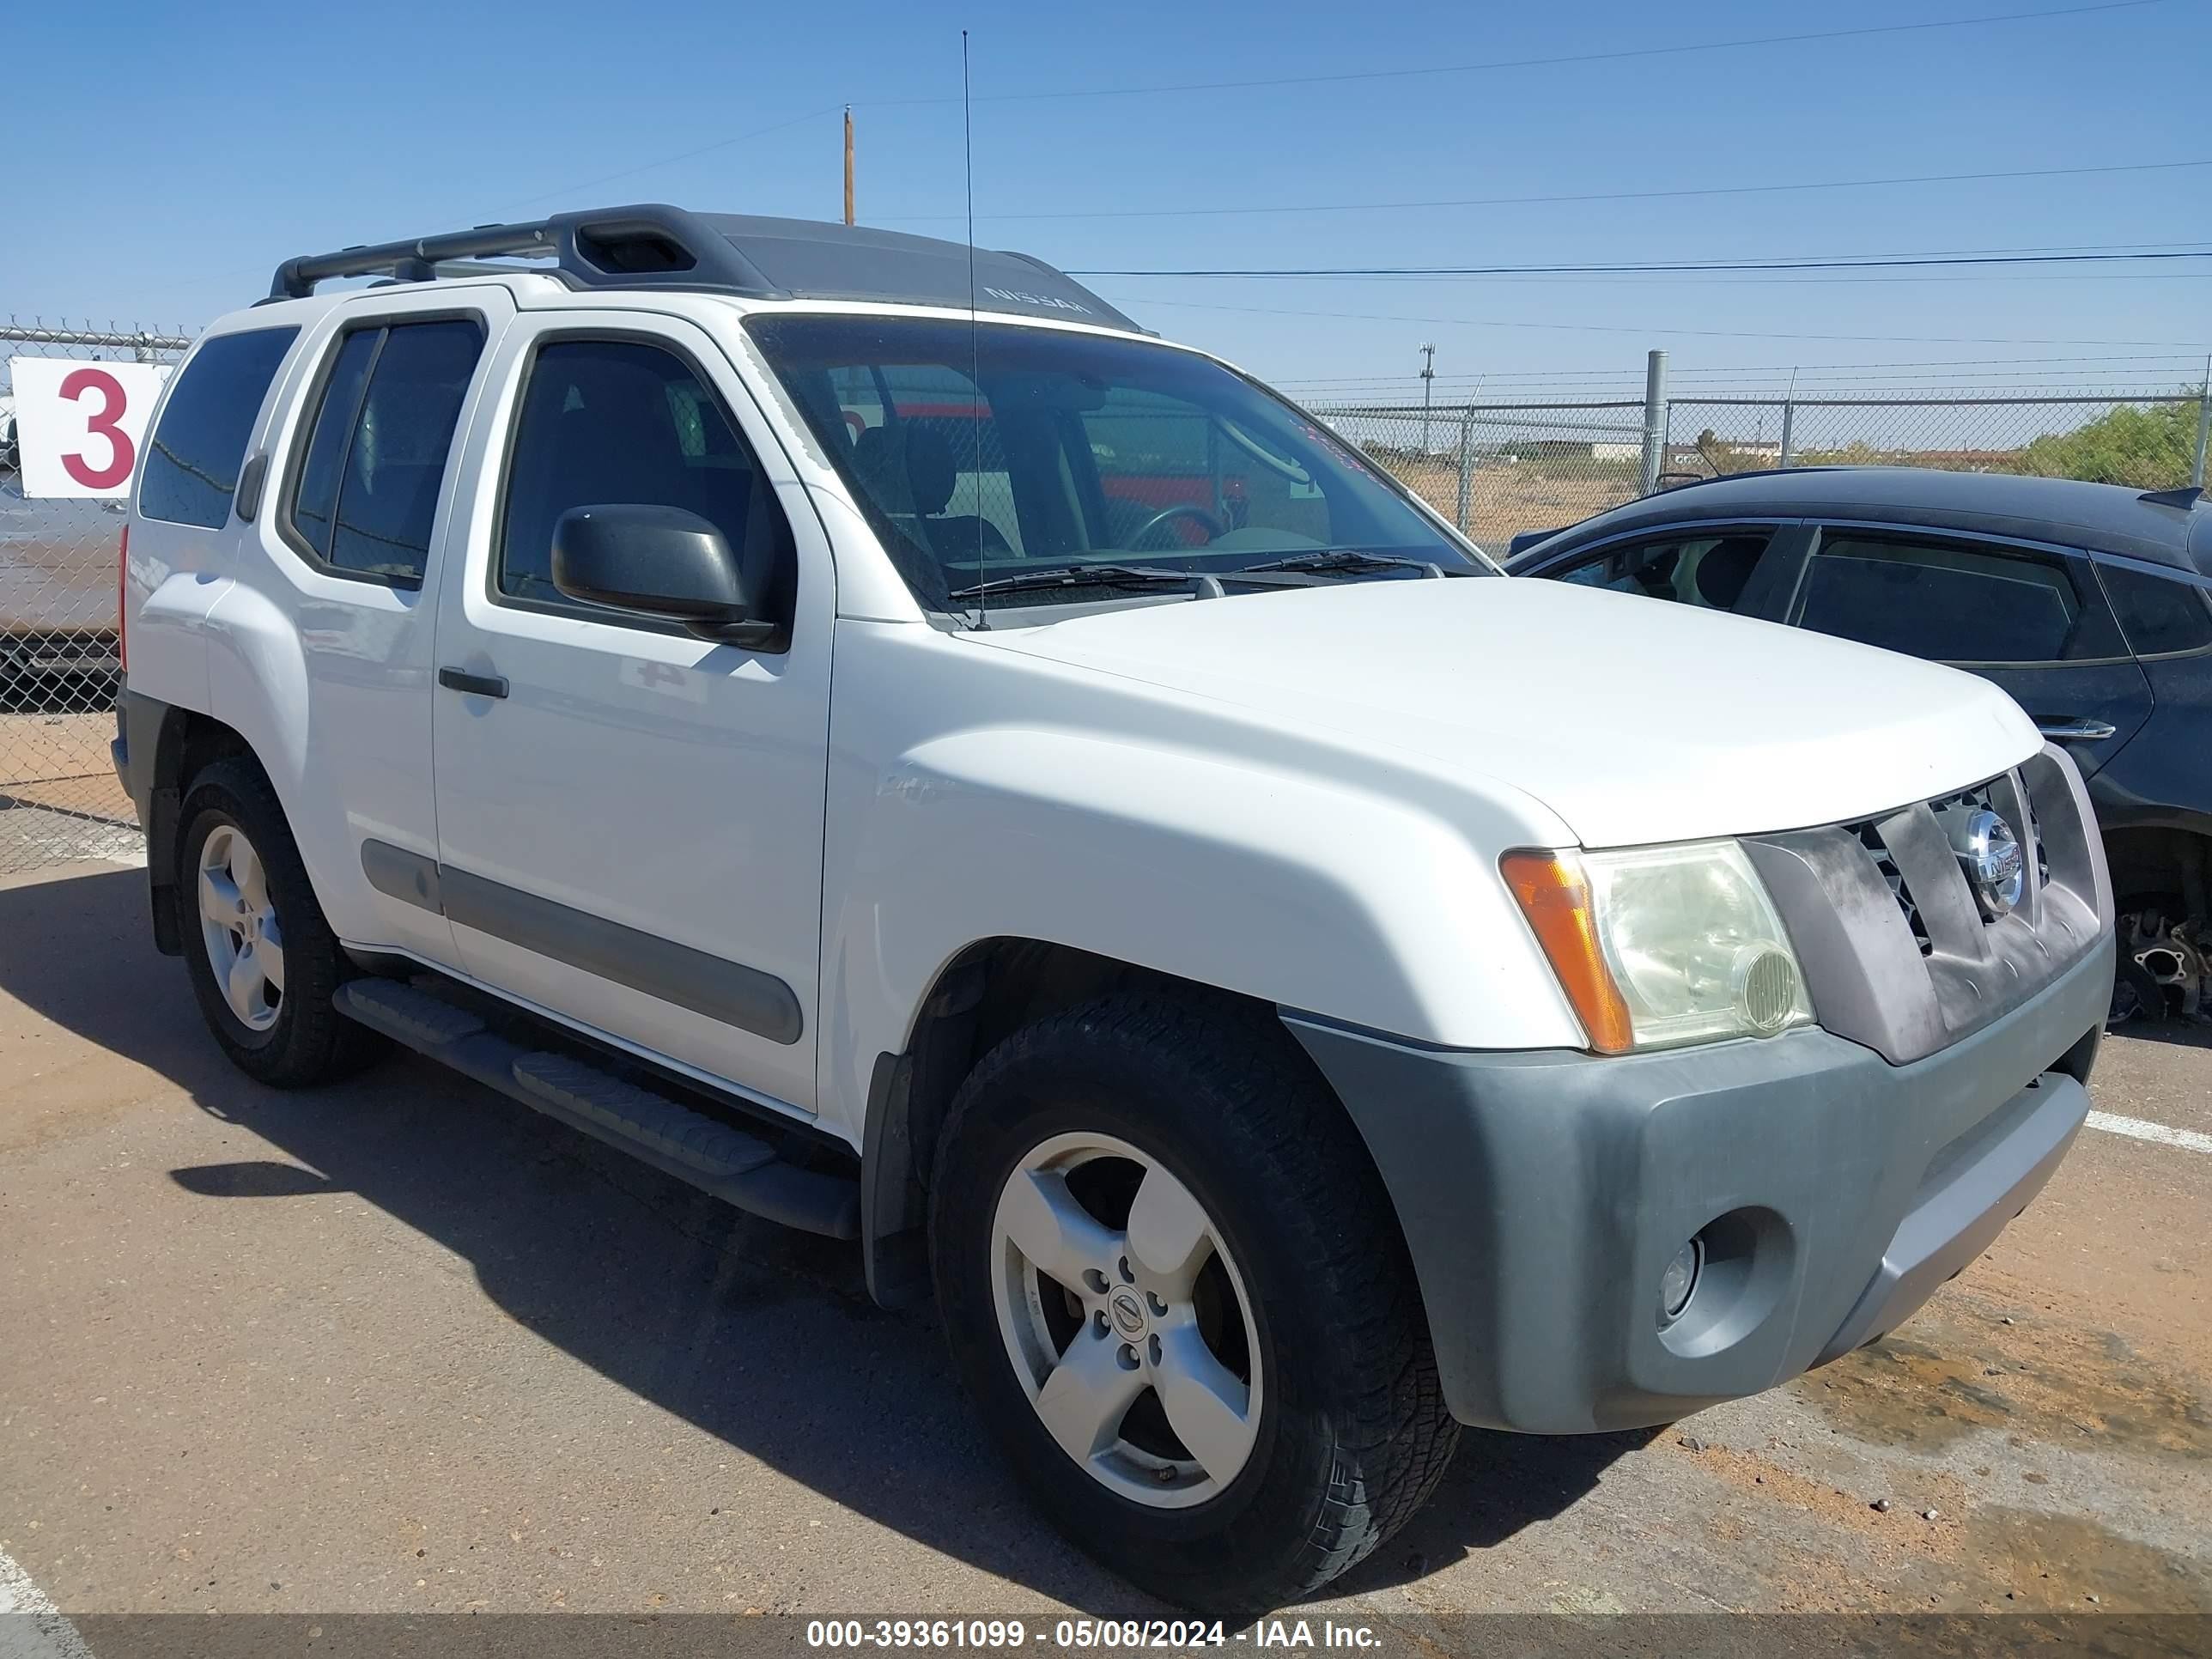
(1542, 1194)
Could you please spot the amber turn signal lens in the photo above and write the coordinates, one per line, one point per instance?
(1552, 893)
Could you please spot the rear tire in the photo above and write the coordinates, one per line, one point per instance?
(263, 962)
(1147, 1124)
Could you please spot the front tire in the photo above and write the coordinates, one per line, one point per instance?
(263, 962)
(1173, 1282)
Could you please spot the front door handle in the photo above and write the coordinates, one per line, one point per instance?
(477, 685)
(2072, 729)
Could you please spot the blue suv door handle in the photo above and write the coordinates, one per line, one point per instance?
(2076, 730)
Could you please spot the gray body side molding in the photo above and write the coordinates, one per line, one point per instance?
(720, 989)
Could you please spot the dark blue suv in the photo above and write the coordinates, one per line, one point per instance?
(2091, 604)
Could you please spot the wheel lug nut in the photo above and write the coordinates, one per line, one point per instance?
(1158, 1306)
(1098, 1323)
(1095, 1280)
(1126, 1357)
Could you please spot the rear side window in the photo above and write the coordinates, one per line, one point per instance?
(191, 466)
(367, 488)
(1950, 602)
(1709, 571)
(605, 421)
(2160, 614)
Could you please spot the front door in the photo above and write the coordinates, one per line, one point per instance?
(630, 816)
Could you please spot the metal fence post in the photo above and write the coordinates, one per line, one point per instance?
(1654, 419)
(2203, 426)
(1466, 468)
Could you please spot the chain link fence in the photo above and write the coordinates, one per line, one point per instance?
(59, 800)
(1499, 470)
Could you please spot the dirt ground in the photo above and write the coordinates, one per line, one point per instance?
(62, 760)
(401, 1347)
(1506, 498)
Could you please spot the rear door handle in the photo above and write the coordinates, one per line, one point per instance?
(2074, 730)
(477, 685)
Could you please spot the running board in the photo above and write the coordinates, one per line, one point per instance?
(739, 1169)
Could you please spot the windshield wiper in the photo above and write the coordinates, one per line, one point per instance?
(1346, 560)
(1078, 575)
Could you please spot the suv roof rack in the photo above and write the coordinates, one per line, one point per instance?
(652, 245)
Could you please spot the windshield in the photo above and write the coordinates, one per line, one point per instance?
(999, 452)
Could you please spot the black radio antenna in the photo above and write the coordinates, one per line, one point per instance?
(975, 349)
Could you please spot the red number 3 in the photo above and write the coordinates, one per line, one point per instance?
(120, 452)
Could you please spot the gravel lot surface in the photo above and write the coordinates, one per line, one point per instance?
(404, 1346)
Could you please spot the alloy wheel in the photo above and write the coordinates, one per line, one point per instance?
(239, 927)
(1127, 1321)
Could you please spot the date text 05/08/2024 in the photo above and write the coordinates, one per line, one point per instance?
(1084, 1634)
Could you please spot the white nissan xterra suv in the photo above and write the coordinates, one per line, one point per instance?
(888, 742)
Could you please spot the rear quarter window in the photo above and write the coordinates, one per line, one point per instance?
(191, 466)
(2161, 615)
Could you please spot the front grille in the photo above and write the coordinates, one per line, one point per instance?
(1886, 866)
(1981, 797)
(1898, 950)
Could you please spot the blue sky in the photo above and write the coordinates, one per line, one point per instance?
(164, 162)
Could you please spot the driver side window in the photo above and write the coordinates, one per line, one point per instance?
(617, 419)
(1708, 571)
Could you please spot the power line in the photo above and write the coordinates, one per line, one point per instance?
(1647, 331)
(669, 161)
(1580, 196)
(1875, 262)
(1676, 49)
(1493, 65)
(1769, 368)
(1641, 281)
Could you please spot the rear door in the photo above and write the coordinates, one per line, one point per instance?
(321, 653)
(2032, 618)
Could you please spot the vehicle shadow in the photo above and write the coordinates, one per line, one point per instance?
(762, 1337)
(2174, 1030)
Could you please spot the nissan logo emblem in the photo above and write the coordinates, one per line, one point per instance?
(1996, 867)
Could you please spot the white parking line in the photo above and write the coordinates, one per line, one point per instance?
(2159, 1134)
(31, 1626)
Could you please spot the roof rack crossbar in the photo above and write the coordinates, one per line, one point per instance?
(410, 261)
(588, 250)
(653, 245)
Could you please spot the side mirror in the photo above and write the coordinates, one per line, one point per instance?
(659, 562)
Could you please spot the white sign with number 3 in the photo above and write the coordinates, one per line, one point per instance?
(79, 425)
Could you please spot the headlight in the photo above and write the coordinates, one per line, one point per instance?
(1660, 945)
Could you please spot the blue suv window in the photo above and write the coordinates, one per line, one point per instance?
(2161, 615)
(1953, 603)
(191, 466)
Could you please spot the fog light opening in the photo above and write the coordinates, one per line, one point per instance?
(1679, 1283)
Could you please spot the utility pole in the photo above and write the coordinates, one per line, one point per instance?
(848, 164)
(1428, 390)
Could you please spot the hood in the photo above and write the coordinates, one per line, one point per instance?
(1633, 719)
